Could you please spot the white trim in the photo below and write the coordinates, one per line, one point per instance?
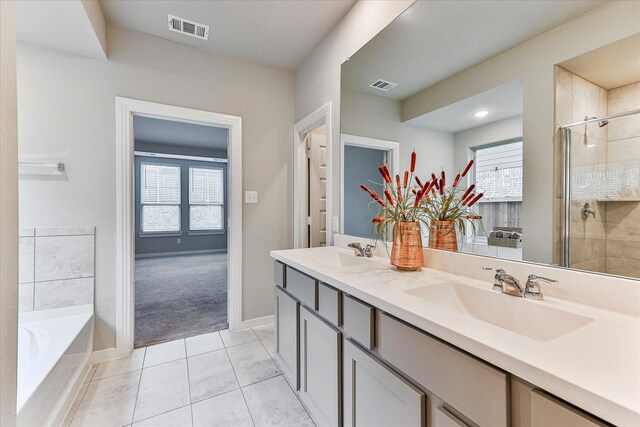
(104, 355)
(320, 116)
(180, 157)
(125, 254)
(360, 141)
(257, 322)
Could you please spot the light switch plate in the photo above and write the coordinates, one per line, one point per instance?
(251, 197)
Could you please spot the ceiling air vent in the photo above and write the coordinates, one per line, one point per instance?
(189, 28)
(383, 85)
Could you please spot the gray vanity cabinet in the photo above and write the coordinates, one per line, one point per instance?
(320, 368)
(287, 311)
(374, 395)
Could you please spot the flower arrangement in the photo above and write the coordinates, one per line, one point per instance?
(431, 203)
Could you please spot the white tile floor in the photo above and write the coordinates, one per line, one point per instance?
(217, 379)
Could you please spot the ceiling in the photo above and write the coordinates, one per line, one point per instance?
(501, 102)
(621, 57)
(167, 132)
(276, 33)
(439, 39)
(70, 26)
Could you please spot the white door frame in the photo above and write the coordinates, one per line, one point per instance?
(361, 141)
(125, 203)
(320, 116)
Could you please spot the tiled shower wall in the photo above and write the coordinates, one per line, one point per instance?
(56, 267)
(610, 243)
(623, 217)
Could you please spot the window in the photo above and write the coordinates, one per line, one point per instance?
(498, 173)
(206, 199)
(159, 198)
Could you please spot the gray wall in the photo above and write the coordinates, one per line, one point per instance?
(151, 245)
(360, 167)
(66, 110)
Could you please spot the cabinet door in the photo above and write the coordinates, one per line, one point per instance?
(376, 396)
(444, 418)
(320, 368)
(287, 311)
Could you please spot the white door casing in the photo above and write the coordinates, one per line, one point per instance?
(320, 116)
(125, 253)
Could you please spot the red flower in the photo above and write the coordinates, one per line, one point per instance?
(389, 198)
(443, 180)
(406, 178)
(386, 172)
(468, 199)
(455, 181)
(398, 181)
(466, 169)
(413, 161)
(469, 190)
(378, 219)
(442, 186)
(418, 181)
(478, 197)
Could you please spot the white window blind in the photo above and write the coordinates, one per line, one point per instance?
(159, 198)
(499, 172)
(206, 199)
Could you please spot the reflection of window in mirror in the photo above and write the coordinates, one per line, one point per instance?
(498, 174)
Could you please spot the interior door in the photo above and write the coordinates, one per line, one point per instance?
(317, 149)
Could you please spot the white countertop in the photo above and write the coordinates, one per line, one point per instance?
(596, 367)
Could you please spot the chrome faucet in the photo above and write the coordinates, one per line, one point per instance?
(506, 283)
(532, 289)
(366, 252)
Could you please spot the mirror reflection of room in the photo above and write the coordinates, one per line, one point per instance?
(553, 140)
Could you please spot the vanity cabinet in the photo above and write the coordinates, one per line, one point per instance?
(320, 368)
(374, 395)
(286, 325)
(353, 364)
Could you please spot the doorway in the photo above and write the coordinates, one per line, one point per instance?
(316, 188)
(181, 236)
(164, 215)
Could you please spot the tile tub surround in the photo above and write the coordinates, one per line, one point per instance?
(570, 367)
(165, 385)
(56, 267)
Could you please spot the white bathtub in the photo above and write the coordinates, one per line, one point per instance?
(54, 349)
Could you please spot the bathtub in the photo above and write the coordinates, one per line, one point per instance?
(54, 350)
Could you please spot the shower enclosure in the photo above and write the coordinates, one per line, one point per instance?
(601, 194)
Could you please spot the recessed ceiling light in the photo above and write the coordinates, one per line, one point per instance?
(480, 113)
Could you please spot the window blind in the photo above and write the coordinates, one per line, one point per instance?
(499, 172)
(159, 197)
(206, 199)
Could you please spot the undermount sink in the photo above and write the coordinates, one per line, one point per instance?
(533, 320)
(339, 259)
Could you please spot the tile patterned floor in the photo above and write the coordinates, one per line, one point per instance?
(218, 379)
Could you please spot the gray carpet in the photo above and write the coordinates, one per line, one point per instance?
(179, 297)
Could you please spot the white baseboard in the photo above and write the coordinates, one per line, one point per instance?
(257, 322)
(103, 355)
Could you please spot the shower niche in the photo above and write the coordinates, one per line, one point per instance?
(597, 107)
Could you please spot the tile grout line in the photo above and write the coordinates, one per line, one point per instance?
(139, 383)
(186, 359)
(239, 386)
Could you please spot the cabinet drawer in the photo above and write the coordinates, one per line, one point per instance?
(472, 387)
(301, 286)
(278, 274)
(549, 412)
(357, 320)
(330, 303)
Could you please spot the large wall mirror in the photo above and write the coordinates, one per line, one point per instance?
(552, 125)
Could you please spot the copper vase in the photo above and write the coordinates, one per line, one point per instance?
(442, 235)
(406, 253)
